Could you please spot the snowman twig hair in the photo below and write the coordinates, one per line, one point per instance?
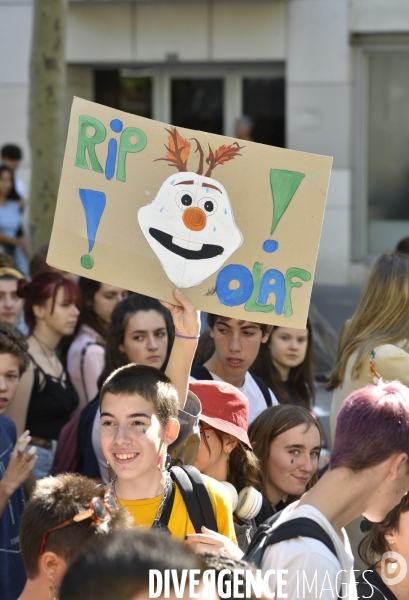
(178, 150)
(221, 155)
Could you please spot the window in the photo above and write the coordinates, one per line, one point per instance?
(263, 101)
(125, 91)
(203, 97)
(383, 140)
(197, 104)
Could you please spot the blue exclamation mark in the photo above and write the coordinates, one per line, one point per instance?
(94, 202)
(94, 205)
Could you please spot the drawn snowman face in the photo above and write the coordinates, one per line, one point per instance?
(190, 227)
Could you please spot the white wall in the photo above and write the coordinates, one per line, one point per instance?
(318, 115)
(144, 32)
(379, 16)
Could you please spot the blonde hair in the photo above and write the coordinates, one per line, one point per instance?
(382, 316)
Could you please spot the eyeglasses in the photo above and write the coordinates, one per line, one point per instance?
(202, 429)
(99, 511)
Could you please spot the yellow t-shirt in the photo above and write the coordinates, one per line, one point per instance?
(144, 511)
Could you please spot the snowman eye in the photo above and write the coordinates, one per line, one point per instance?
(208, 205)
(184, 199)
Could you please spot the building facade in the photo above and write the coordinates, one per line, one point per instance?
(323, 76)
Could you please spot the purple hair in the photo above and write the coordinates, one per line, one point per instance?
(372, 425)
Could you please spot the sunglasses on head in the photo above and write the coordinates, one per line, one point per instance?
(99, 511)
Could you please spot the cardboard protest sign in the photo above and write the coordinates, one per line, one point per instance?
(150, 207)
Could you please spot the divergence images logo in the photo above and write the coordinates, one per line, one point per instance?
(393, 568)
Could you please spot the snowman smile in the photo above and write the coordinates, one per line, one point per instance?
(189, 245)
(184, 248)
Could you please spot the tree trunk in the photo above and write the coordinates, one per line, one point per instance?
(47, 86)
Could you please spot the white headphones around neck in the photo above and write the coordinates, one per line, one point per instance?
(245, 505)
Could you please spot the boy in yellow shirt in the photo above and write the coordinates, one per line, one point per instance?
(139, 407)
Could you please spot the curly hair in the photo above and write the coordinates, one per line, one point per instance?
(12, 341)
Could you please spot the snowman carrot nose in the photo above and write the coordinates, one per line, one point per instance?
(194, 218)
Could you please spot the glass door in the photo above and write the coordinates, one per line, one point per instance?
(203, 97)
(264, 103)
(388, 150)
(197, 104)
(130, 90)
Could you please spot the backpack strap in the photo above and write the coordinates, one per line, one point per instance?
(289, 530)
(255, 550)
(196, 497)
(301, 527)
(200, 372)
(263, 389)
(201, 490)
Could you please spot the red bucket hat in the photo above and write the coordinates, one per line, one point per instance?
(224, 407)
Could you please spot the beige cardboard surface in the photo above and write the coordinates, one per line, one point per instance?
(234, 224)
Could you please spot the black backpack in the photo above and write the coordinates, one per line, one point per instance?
(195, 495)
(200, 372)
(266, 536)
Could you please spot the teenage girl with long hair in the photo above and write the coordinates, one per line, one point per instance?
(287, 442)
(86, 355)
(45, 397)
(374, 342)
(285, 363)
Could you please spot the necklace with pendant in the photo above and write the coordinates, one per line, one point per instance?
(43, 347)
(157, 523)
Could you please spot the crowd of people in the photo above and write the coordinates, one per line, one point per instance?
(115, 415)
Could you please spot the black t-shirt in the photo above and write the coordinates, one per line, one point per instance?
(370, 585)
